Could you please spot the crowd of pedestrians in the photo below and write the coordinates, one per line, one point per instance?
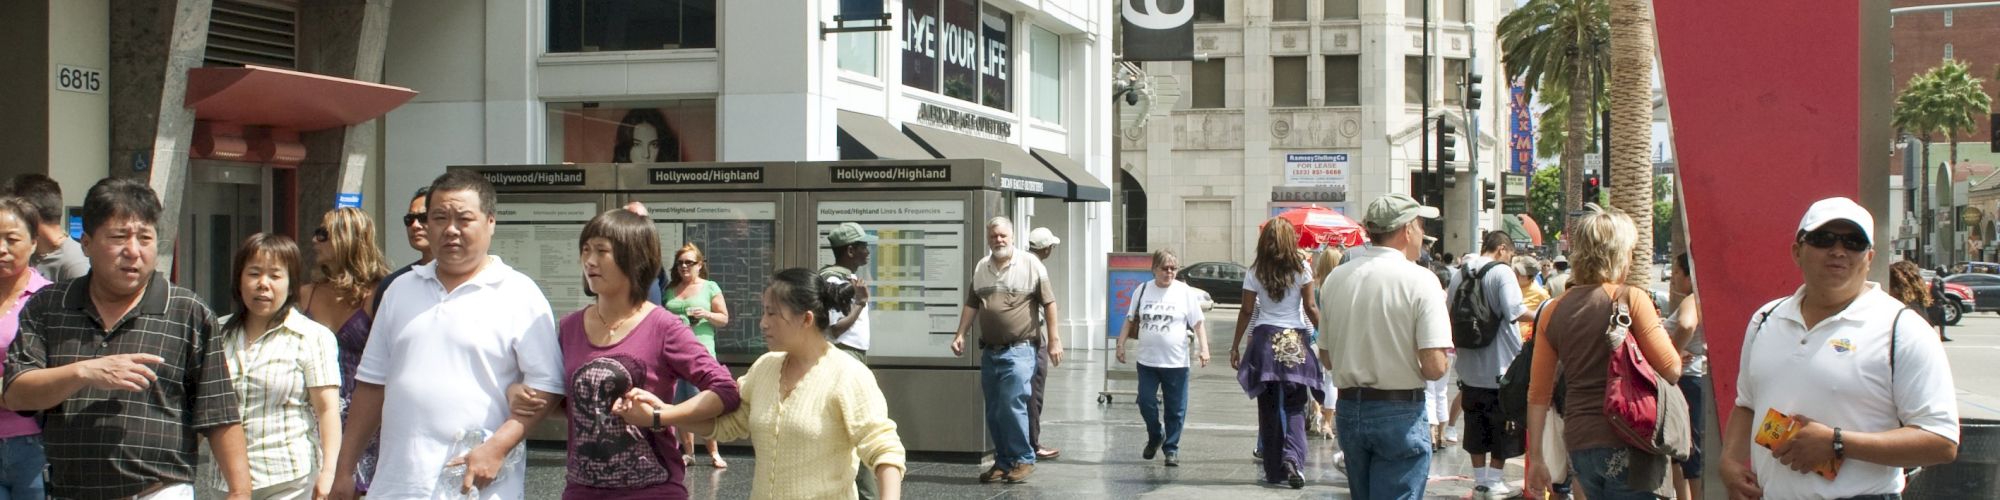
(333, 376)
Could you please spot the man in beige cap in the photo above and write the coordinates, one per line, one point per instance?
(1042, 243)
(1386, 333)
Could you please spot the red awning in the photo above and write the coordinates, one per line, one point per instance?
(303, 102)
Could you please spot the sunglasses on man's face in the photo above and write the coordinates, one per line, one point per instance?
(1854, 242)
(412, 218)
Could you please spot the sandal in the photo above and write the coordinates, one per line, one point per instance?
(687, 460)
(718, 462)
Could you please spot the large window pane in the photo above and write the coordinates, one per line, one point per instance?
(858, 53)
(1205, 11)
(1288, 82)
(1454, 10)
(1209, 84)
(1288, 10)
(604, 25)
(1414, 9)
(1343, 80)
(1453, 81)
(996, 54)
(1045, 86)
(1343, 9)
(1413, 80)
(632, 131)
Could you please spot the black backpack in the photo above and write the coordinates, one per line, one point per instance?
(1473, 324)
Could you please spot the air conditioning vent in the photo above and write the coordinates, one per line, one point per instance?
(243, 33)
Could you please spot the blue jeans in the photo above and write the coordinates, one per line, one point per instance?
(1003, 378)
(21, 465)
(1601, 472)
(1174, 381)
(1388, 446)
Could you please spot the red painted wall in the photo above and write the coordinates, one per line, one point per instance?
(1765, 102)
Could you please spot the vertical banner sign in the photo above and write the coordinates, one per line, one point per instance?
(1521, 137)
(958, 46)
(1125, 273)
(1159, 30)
(996, 30)
(920, 44)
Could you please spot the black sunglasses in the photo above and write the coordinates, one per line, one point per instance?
(1854, 242)
(412, 218)
(319, 234)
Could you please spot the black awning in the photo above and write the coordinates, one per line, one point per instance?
(1084, 187)
(869, 137)
(1019, 171)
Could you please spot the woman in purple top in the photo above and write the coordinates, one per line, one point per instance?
(21, 459)
(619, 348)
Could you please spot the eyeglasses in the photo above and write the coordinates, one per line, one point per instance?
(319, 235)
(1170, 269)
(686, 263)
(412, 218)
(1854, 242)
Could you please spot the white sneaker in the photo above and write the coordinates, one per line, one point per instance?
(1498, 491)
(1340, 462)
(1452, 435)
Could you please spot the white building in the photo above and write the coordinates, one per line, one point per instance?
(549, 82)
(1308, 77)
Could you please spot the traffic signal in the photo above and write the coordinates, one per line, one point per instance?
(1472, 90)
(1592, 190)
(1993, 127)
(1488, 197)
(1446, 153)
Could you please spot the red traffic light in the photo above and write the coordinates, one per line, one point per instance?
(1593, 182)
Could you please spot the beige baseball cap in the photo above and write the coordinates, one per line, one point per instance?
(1393, 210)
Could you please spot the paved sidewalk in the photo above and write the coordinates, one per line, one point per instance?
(1101, 449)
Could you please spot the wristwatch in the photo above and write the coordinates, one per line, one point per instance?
(657, 427)
(1839, 449)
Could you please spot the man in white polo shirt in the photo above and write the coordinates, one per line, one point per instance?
(1386, 333)
(459, 332)
(1864, 378)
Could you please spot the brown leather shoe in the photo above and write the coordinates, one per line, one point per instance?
(1020, 473)
(1047, 454)
(994, 474)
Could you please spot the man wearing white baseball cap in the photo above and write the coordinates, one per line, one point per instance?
(1860, 380)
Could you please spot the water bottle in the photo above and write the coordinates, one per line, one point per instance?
(453, 478)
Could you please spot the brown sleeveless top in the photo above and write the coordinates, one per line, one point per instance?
(1575, 329)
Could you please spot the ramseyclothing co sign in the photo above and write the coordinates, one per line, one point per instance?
(958, 48)
(1319, 169)
(1154, 33)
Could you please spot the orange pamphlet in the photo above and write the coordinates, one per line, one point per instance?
(1778, 428)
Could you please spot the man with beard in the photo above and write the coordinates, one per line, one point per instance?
(1005, 295)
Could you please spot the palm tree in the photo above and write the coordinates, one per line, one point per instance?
(1946, 99)
(1631, 90)
(1552, 45)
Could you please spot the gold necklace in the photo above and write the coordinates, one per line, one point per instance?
(611, 329)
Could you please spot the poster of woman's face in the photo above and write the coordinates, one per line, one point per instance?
(675, 131)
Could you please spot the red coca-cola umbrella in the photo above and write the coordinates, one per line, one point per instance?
(1320, 227)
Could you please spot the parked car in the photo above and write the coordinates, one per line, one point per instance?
(1222, 281)
(1976, 267)
(1985, 290)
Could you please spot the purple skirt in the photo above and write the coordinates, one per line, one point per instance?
(1282, 355)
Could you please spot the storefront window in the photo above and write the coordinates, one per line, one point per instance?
(858, 54)
(959, 48)
(632, 131)
(607, 25)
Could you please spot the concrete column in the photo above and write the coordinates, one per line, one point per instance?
(786, 78)
(345, 39)
(153, 45)
(24, 87)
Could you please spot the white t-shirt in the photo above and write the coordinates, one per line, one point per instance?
(1166, 318)
(1380, 309)
(856, 335)
(444, 361)
(1838, 374)
(1286, 313)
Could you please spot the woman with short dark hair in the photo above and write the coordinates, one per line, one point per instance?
(20, 436)
(807, 414)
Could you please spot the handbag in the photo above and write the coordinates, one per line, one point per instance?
(1137, 302)
(1645, 411)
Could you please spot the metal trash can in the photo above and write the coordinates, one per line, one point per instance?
(1976, 473)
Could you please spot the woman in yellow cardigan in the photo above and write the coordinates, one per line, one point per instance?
(808, 414)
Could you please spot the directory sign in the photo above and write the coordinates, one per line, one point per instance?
(917, 274)
(540, 240)
(740, 242)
